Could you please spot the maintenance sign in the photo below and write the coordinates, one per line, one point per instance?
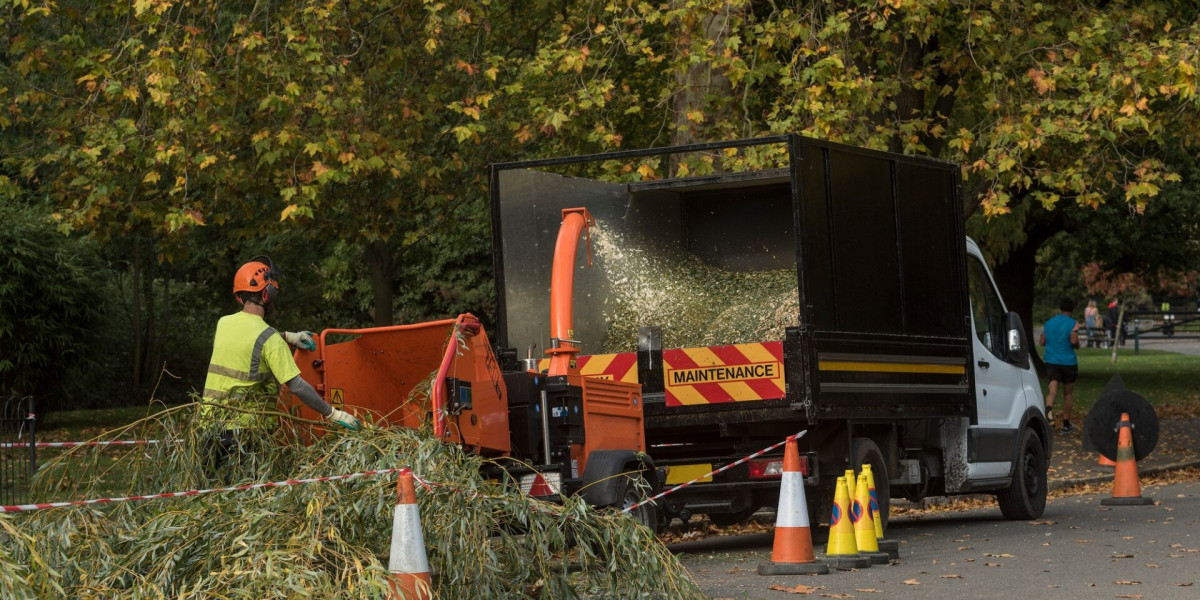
(712, 374)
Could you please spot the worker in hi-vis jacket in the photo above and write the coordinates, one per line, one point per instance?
(247, 354)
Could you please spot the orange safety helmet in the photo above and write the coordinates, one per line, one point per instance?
(258, 275)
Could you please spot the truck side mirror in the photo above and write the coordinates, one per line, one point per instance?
(1018, 348)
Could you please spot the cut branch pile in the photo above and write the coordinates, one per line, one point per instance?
(320, 540)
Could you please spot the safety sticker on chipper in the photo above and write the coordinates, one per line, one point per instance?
(616, 367)
(337, 398)
(712, 374)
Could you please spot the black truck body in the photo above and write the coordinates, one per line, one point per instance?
(876, 360)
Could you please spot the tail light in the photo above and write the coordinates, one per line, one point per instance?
(772, 468)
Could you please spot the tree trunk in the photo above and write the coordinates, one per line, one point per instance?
(697, 83)
(135, 289)
(379, 259)
(150, 352)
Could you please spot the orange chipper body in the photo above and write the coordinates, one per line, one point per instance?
(385, 372)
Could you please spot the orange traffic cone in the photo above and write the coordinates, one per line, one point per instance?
(793, 551)
(1105, 462)
(842, 551)
(407, 562)
(1127, 490)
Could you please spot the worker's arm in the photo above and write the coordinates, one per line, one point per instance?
(312, 399)
(308, 395)
(1042, 339)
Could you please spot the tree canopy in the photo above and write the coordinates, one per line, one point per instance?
(198, 129)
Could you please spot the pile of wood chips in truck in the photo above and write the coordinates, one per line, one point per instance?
(319, 540)
(695, 303)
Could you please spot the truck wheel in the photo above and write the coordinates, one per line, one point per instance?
(631, 489)
(1026, 498)
(866, 452)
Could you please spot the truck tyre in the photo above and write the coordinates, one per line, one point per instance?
(866, 452)
(631, 489)
(1025, 499)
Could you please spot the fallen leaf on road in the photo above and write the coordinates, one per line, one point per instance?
(1122, 556)
(1083, 541)
(1047, 522)
(1134, 596)
(965, 548)
(836, 596)
(1188, 584)
(1127, 537)
(799, 589)
(1005, 555)
(1151, 566)
(1124, 582)
(875, 591)
(951, 576)
(986, 564)
(911, 582)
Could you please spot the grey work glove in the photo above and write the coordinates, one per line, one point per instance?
(344, 419)
(300, 339)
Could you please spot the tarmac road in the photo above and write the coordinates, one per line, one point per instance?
(1079, 549)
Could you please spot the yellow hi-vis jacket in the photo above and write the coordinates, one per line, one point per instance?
(246, 354)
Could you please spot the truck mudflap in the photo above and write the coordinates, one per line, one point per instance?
(601, 484)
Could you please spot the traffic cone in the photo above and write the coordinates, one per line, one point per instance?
(891, 547)
(793, 551)
(864, 528)
(842, 552)
(1127, 490)
(407, 562)
(1105, 462)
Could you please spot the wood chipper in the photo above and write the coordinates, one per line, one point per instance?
(564, 433)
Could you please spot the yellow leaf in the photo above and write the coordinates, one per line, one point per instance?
(88, 77)
(319, 168)
(695, 116)
(208, 161)
(151, 177)
(287, 212)
(646, 171)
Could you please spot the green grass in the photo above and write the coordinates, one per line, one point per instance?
(86, 463)
(1169, 381)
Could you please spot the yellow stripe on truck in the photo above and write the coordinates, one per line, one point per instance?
(885, 367)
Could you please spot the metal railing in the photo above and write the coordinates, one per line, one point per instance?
(1162, 325)
(18, 450)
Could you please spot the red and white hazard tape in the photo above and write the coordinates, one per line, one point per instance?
(236, 488)
(76, 444)
(731, 465)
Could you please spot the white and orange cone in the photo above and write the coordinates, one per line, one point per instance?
(1127, 489)
(407, 562)
(793, 550)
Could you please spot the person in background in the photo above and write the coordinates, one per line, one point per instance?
(1114, 313)
(1091, 320)
(1060, 337)
(247, 354)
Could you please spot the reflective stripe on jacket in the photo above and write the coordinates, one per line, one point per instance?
(247, 355)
